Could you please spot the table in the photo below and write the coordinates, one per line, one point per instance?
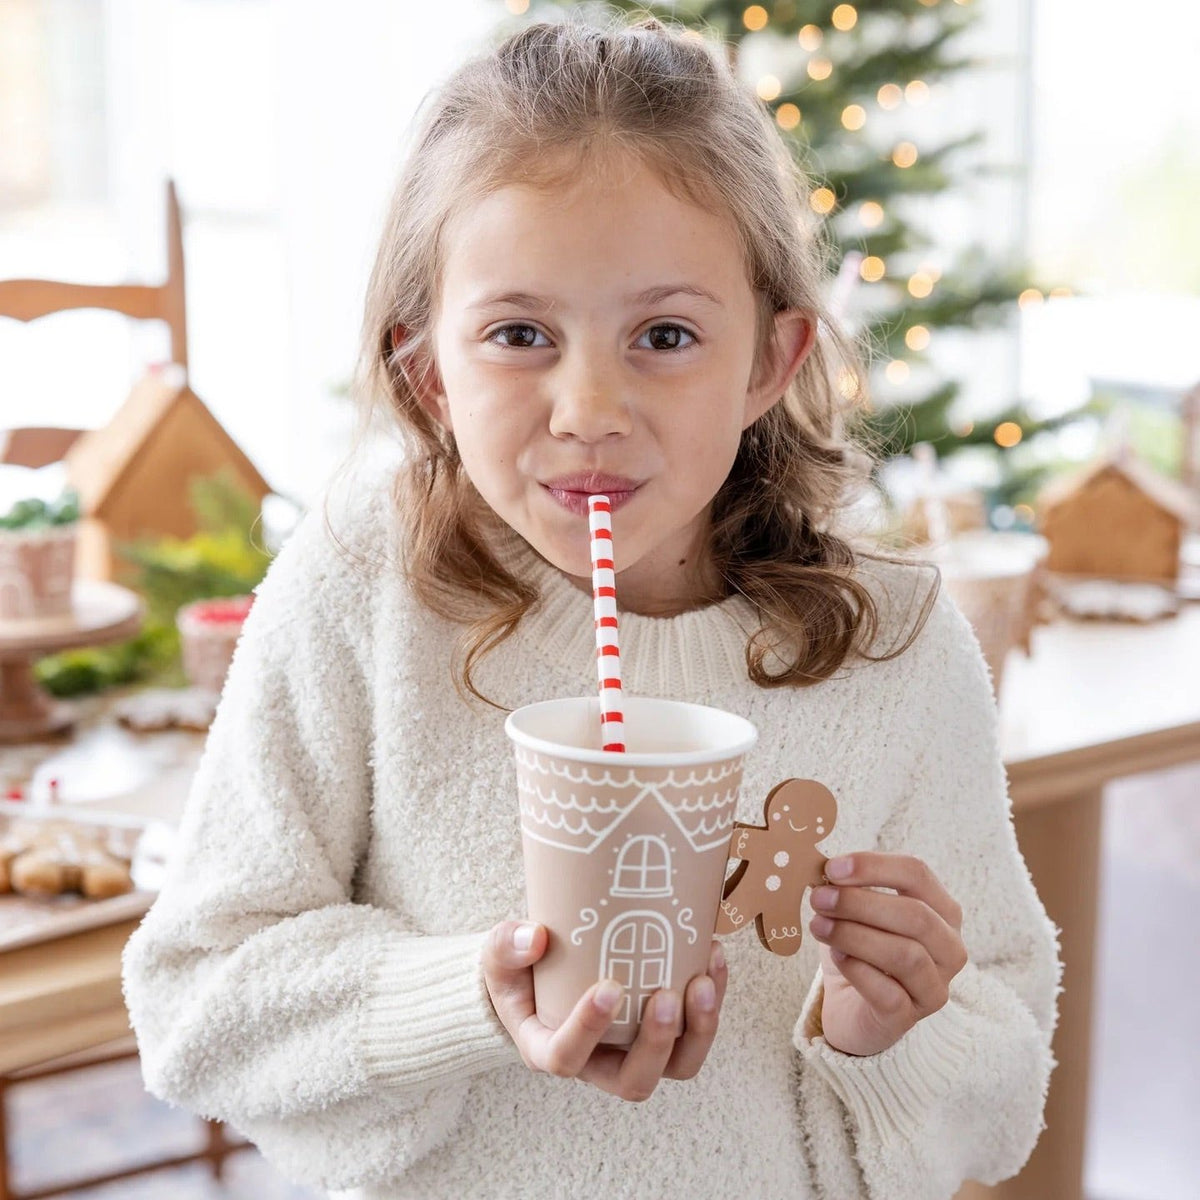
(1096, 702)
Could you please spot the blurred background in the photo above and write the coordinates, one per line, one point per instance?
(1011, 188)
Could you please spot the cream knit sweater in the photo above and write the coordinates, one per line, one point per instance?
(310, 971)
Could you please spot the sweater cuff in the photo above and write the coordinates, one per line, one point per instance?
(892, 1094)
(428, 1014)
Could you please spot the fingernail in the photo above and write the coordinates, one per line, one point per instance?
(706, 995)
(825, 897)
(666, 1007)
(839, 868)
(716, 960)
(523, 937)
(607, 996)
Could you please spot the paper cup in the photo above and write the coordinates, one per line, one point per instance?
(625, 854)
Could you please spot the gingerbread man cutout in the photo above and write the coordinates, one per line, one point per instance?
(778, 863)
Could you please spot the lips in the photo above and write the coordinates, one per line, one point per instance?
(572, 491)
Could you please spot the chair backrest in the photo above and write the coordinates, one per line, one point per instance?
(27, 299)
(36, 446)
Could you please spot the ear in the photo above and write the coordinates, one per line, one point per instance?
(795, 334)
(425, 380)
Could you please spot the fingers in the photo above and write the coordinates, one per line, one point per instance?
(674, 1038)
(703, 999)
(902, 915)
(635, 1074)
(509, 952)
(915, 977)
(907, 875)
(569, 1049)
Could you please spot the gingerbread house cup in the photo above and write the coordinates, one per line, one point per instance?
(625, 854)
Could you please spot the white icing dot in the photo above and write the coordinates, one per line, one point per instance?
(787, 808)
(773, 883)
(776, 817)
(781, 859)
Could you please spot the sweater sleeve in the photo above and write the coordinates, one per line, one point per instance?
(961, 1095)
(335, 1036)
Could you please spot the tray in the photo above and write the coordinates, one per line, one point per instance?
(145, 842)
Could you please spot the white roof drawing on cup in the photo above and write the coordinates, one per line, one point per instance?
(565, 812)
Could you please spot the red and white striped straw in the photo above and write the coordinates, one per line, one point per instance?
(604, 604)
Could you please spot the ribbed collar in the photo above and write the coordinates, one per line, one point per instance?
(694, 654)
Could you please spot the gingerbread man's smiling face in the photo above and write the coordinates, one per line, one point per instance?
(802, 806)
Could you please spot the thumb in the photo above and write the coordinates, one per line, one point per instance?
(511, 949)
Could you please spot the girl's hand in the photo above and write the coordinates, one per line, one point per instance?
(898, 953)
(571, 1051)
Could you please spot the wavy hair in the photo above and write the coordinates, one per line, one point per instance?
(549, 101)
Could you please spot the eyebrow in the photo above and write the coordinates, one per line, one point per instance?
(653, 295)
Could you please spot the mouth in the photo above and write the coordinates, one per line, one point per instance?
(795, 830)
(572, 491)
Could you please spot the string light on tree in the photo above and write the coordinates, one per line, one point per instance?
(822, 201)
(870, 213)
(787, 116)
(810, 37)
(854, 117)
(1030, 298)
(920, 285)
(819, 68)
(917, 338)
(904, 155)
(755, 18)
(872, 268)
(1007, 434)
(890, 96)
(517, 7)
(897, 371)
(769, 87)
(844, 17)
(849, 384)
(917, 92)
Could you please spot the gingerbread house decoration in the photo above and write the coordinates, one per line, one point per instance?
(641, 822)
(133, 474)
(1117, 519)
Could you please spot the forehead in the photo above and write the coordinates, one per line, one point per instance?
(594, 223)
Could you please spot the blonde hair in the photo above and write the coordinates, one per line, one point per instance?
(550, 100)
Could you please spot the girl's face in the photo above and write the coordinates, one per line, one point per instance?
(600, 337)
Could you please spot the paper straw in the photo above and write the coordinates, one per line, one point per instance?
(604, 605)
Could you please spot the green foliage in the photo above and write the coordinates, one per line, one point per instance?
(42, 514)
(223, 559)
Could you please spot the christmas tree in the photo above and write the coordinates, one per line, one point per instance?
(846, 84)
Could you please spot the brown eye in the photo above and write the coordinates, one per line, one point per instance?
(668, 337)
(519, 336)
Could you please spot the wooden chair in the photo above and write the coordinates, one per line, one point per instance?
(27, 299)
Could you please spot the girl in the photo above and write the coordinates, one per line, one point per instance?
(594, 277)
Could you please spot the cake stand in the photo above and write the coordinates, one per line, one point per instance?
(100, 613)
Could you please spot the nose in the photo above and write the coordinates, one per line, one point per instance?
(589, 404)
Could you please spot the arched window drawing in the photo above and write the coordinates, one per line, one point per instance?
(643, 868)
